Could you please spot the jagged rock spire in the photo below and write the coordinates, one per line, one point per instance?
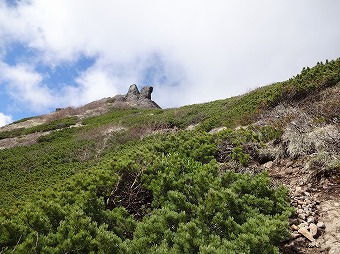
(146, 92)
(133, 93)
(137, 99)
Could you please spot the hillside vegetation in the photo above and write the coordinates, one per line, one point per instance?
(165, 181)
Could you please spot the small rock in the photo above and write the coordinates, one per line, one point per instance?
(191, 127)
(300, 202)
(336, 204)
(217, 130)
(293, 221)
(289, 170)
(310, 220)
(289, 163)
(306, 210)
(294, 227)
(294, 235)
(314, 245)
(299, 211)
(292, 243)
(307, 234)
(321, 224)
(298, 189)
(269, 164)
(303, 225)
(313, 229)
(302, 216)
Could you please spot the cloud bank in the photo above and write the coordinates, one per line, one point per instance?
(5, 119)
(190, 51)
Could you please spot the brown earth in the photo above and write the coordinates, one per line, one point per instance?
(323, 190)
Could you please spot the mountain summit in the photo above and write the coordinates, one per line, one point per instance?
(135, 98)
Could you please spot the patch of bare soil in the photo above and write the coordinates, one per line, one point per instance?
(25, 124)
(330, 213)
(315, 228)
(25, 140)
(307, 159)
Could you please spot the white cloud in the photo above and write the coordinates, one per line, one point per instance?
(25, 85)
(92, 85)
(5, 119)
(208, 49)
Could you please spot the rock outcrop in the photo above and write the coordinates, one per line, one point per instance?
(135, 98)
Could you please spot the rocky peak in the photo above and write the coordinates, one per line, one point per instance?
(135, 98)
(133, 93)
(146, 92)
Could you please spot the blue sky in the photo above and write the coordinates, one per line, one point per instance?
(68, 53)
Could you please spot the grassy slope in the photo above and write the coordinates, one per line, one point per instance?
(63, 153)
(87, 153)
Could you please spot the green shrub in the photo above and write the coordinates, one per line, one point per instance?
(239, 156)
(193, 207)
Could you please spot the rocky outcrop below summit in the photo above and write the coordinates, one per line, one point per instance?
(135, 98)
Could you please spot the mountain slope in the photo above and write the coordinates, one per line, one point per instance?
(99, 178)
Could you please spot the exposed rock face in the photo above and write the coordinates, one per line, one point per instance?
(136, 99)
(146, 92)
(133, 93)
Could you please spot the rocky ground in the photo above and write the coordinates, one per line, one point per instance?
(307, 161)
(315, 228)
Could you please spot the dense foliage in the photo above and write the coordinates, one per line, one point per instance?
(119, 183)
(50, 126)
(166, 194)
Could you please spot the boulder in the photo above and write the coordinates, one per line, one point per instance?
(145, 93)
(133, 93)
